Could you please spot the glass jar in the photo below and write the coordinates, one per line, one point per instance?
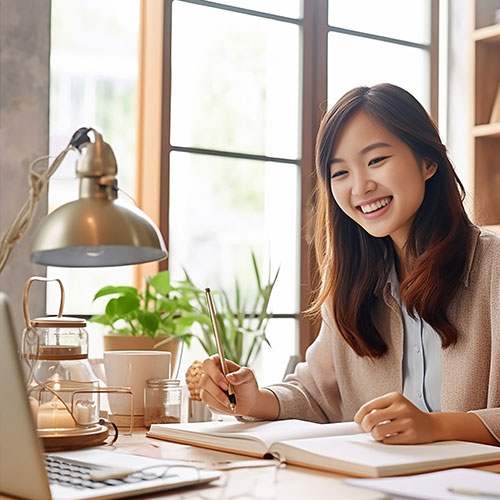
(57, 350)
(162, 401)
(62, 349)
(62, 388)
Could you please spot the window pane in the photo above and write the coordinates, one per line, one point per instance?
(405, 20)
(354, 61)
(235, 82)
(288, 8)
(220, 210)
(93, 64)
(270, 366)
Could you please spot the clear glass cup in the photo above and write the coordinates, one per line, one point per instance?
(162, 401)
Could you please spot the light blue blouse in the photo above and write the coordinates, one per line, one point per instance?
(421, 357)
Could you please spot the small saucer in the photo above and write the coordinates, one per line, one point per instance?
(74, 438)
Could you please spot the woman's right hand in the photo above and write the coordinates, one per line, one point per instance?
(250, 401)
(213, 384)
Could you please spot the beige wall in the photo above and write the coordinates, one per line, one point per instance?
(24, 124)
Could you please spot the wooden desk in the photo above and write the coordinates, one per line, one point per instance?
(266, 483)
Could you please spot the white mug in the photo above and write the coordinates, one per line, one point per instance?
(132, 369)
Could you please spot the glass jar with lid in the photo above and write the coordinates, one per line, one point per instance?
(162, 401)
(62, 349)
(60, 381)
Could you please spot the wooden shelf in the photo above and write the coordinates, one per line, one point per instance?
(490, 34)
(487, 130)
(484, 137)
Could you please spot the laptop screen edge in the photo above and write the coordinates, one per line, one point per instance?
(22, 467)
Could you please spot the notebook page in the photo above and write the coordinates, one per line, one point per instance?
(264, 432)
(362, 454)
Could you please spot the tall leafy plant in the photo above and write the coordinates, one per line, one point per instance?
(173, 309)
(242, 322)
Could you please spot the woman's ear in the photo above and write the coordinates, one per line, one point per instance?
(430, 168)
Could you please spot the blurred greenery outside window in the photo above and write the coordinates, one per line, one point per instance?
(236, 108)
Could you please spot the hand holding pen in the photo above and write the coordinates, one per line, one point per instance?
(229, 388)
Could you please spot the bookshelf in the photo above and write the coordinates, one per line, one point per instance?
(485, 134)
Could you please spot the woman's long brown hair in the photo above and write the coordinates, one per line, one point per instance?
(354, 265)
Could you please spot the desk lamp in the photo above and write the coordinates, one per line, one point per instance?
(94, 231)
(97, 229)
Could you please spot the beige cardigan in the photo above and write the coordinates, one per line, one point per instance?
(334, 382)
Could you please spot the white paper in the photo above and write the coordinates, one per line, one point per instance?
(261, 431)
(434, 486)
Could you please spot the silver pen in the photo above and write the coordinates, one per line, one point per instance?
(220, 350)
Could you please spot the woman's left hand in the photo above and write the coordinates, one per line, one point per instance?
(393, 419)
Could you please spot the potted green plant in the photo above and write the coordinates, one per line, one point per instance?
(158, 318)
(242, 323)
(163, 316)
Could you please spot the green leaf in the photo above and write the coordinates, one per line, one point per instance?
(238, 295)
(126, 304)
(250, 351)
(184, 304)
(239, 344)
(228, 309)
(111, 309)
(185, 321)
(161, 282)
(110, 290)
(148, 296)
(187, 338)
(166, 306)
(202, 319)
(274, 280)
(149, 321)
(187, 278)
(241, 313)
(256, 270)
(101, 318)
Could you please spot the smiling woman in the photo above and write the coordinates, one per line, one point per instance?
(379, 144)
(408, 298)
(380, 184)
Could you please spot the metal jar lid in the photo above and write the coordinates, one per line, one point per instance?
(162, 383)
(58, 322)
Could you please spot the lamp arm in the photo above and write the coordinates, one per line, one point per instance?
(22, 222)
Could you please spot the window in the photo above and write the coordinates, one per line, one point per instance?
(377, 47)
(235, 141)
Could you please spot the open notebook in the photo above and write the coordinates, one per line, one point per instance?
(22, 463)
(333, 447)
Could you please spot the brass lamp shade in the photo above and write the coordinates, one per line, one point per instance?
(98, 229)
(93, 232)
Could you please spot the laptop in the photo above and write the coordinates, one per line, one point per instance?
(24, 465)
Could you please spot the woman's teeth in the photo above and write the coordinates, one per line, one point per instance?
(366, 209)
